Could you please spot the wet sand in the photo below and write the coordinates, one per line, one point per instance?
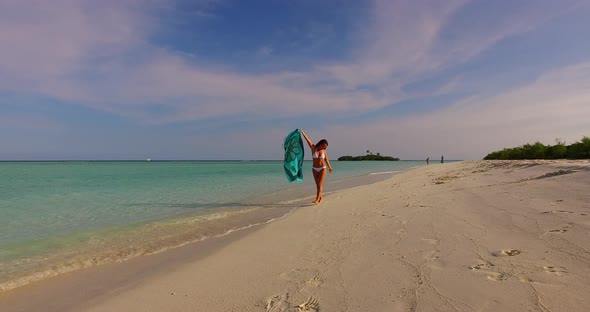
(467, 236)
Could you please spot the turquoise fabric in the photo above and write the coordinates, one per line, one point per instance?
(294, 153)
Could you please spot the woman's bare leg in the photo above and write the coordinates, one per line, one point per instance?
(316, 178)
(320, 185)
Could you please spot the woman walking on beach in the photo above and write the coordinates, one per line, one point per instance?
(320, 161)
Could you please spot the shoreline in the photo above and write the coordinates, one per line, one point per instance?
(466, 236)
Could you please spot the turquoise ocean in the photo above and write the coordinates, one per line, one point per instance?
(57, 217)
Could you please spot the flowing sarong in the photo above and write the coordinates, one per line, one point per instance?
(294, 152)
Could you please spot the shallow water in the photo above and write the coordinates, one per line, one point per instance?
(60, 216)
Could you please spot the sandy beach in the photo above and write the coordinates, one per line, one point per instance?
(465, 236)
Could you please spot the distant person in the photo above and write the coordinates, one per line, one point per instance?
(442, 159)
(427, 160)
(320, 160)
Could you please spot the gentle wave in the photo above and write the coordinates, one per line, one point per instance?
(143, 240)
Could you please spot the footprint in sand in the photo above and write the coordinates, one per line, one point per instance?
(511, 252)
(280, 303)
(497, 277)
(557, 270)
(314, 282)
(311, 305)
(481, 266)
(563, 229)
(507, 252)
(484, 268)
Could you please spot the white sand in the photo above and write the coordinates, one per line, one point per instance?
(468, 236)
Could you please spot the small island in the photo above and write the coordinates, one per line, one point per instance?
(369, 156)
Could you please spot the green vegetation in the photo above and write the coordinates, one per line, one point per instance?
(578, 150)
(369, 156)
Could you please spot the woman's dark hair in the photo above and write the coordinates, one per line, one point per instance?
(322, 141)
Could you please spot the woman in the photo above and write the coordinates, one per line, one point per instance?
(320, 161)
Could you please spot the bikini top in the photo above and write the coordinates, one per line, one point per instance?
(315, 155)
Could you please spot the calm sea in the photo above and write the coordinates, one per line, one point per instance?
(60, 216)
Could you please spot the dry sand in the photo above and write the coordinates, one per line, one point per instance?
(467, 236)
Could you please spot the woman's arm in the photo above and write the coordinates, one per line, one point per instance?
(311, 145)
(328, 161)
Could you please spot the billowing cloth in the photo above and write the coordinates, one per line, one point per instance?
(294, 153)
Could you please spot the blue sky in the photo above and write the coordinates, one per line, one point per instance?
(225, 79)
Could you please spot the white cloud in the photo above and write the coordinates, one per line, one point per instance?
(97, 54)
(43, 41)
(557, 105)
